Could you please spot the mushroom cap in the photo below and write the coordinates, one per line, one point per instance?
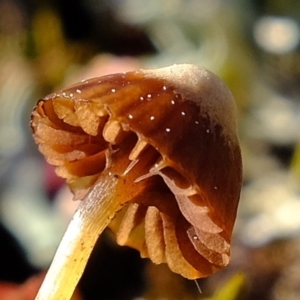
(170, 135)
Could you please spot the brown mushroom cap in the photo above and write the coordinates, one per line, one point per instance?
(169, 136)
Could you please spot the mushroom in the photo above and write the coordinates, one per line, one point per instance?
(154, 156)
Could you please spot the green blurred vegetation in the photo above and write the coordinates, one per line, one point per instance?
(233, 289)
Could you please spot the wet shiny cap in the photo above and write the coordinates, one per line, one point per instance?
(169, 136)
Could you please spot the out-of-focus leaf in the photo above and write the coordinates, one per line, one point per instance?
(295, 165)
(232, 289)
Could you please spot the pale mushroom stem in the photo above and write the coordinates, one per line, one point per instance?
(92, 216)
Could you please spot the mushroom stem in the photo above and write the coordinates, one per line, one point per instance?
(92, 216)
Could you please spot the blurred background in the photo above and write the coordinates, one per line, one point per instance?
(253, 45)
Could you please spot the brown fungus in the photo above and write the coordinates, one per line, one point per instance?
(153, 155)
